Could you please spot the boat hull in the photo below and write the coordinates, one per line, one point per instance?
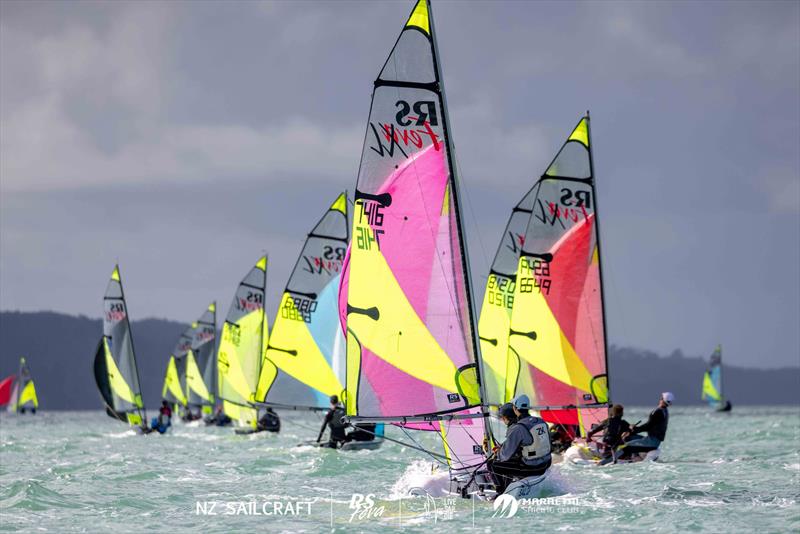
(583, 454)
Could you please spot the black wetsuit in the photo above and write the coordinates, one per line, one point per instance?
(270, 422)
(656, 428)
(614, 428)
(333, 420)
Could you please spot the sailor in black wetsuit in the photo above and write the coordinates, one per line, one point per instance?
(656, 428)
(333, 420)
(615, 426)
(270, 421)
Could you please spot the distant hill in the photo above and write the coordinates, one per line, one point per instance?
(60, 350)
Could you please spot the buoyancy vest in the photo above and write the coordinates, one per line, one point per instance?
(538, 451)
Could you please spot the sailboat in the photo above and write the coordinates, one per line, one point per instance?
(241, 348)
(199, 364)
(712, 383)
(18, 393)
(413, 358)
(171, 391)
(115, 370)
(305, 357)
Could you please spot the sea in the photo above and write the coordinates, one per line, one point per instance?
(85, 472)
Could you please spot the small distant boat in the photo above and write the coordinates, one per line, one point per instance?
(712, 383)
(115, 370)
(241, 348)
(199, 369)
(18, 393)
(172, 392)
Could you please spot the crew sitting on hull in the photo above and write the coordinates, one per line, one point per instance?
(220, 418)
(161, 423)
(615, 427)
(526, 450)
(333, 420)
(656, 428)
(269, 421)
(562, 436)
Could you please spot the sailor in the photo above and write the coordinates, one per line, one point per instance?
(562, 436)
(164, 419)
(526, 450)
(614, 426)
(270, 421)
(333, 420)
(656, 428)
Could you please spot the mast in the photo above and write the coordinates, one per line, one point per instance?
(457, 203)
(215, 378)
(599, 255)
(19, 383)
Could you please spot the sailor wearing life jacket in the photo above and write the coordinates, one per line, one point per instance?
(526, 450)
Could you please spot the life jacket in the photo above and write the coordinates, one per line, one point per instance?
(538, 450)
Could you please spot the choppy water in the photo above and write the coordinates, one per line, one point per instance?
(84, 472)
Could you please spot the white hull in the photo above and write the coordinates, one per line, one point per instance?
(442, 484)
(583, 454)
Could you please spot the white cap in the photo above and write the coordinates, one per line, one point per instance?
(668, 397)
(522, 402)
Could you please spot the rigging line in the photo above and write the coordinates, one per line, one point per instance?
(419, 447)
(484, 255)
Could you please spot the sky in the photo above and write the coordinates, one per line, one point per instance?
(183, 139)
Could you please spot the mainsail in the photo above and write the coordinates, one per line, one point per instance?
(412, 356)
(172, 391)
(241, 347)
(557, 332)
(304, 363)
(498, 300)
(712, 380)
(17, 392)
(199, 361)
(115, 368)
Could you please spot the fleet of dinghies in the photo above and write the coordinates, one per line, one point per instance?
(379, 308)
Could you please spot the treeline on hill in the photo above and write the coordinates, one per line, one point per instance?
(60, 350)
